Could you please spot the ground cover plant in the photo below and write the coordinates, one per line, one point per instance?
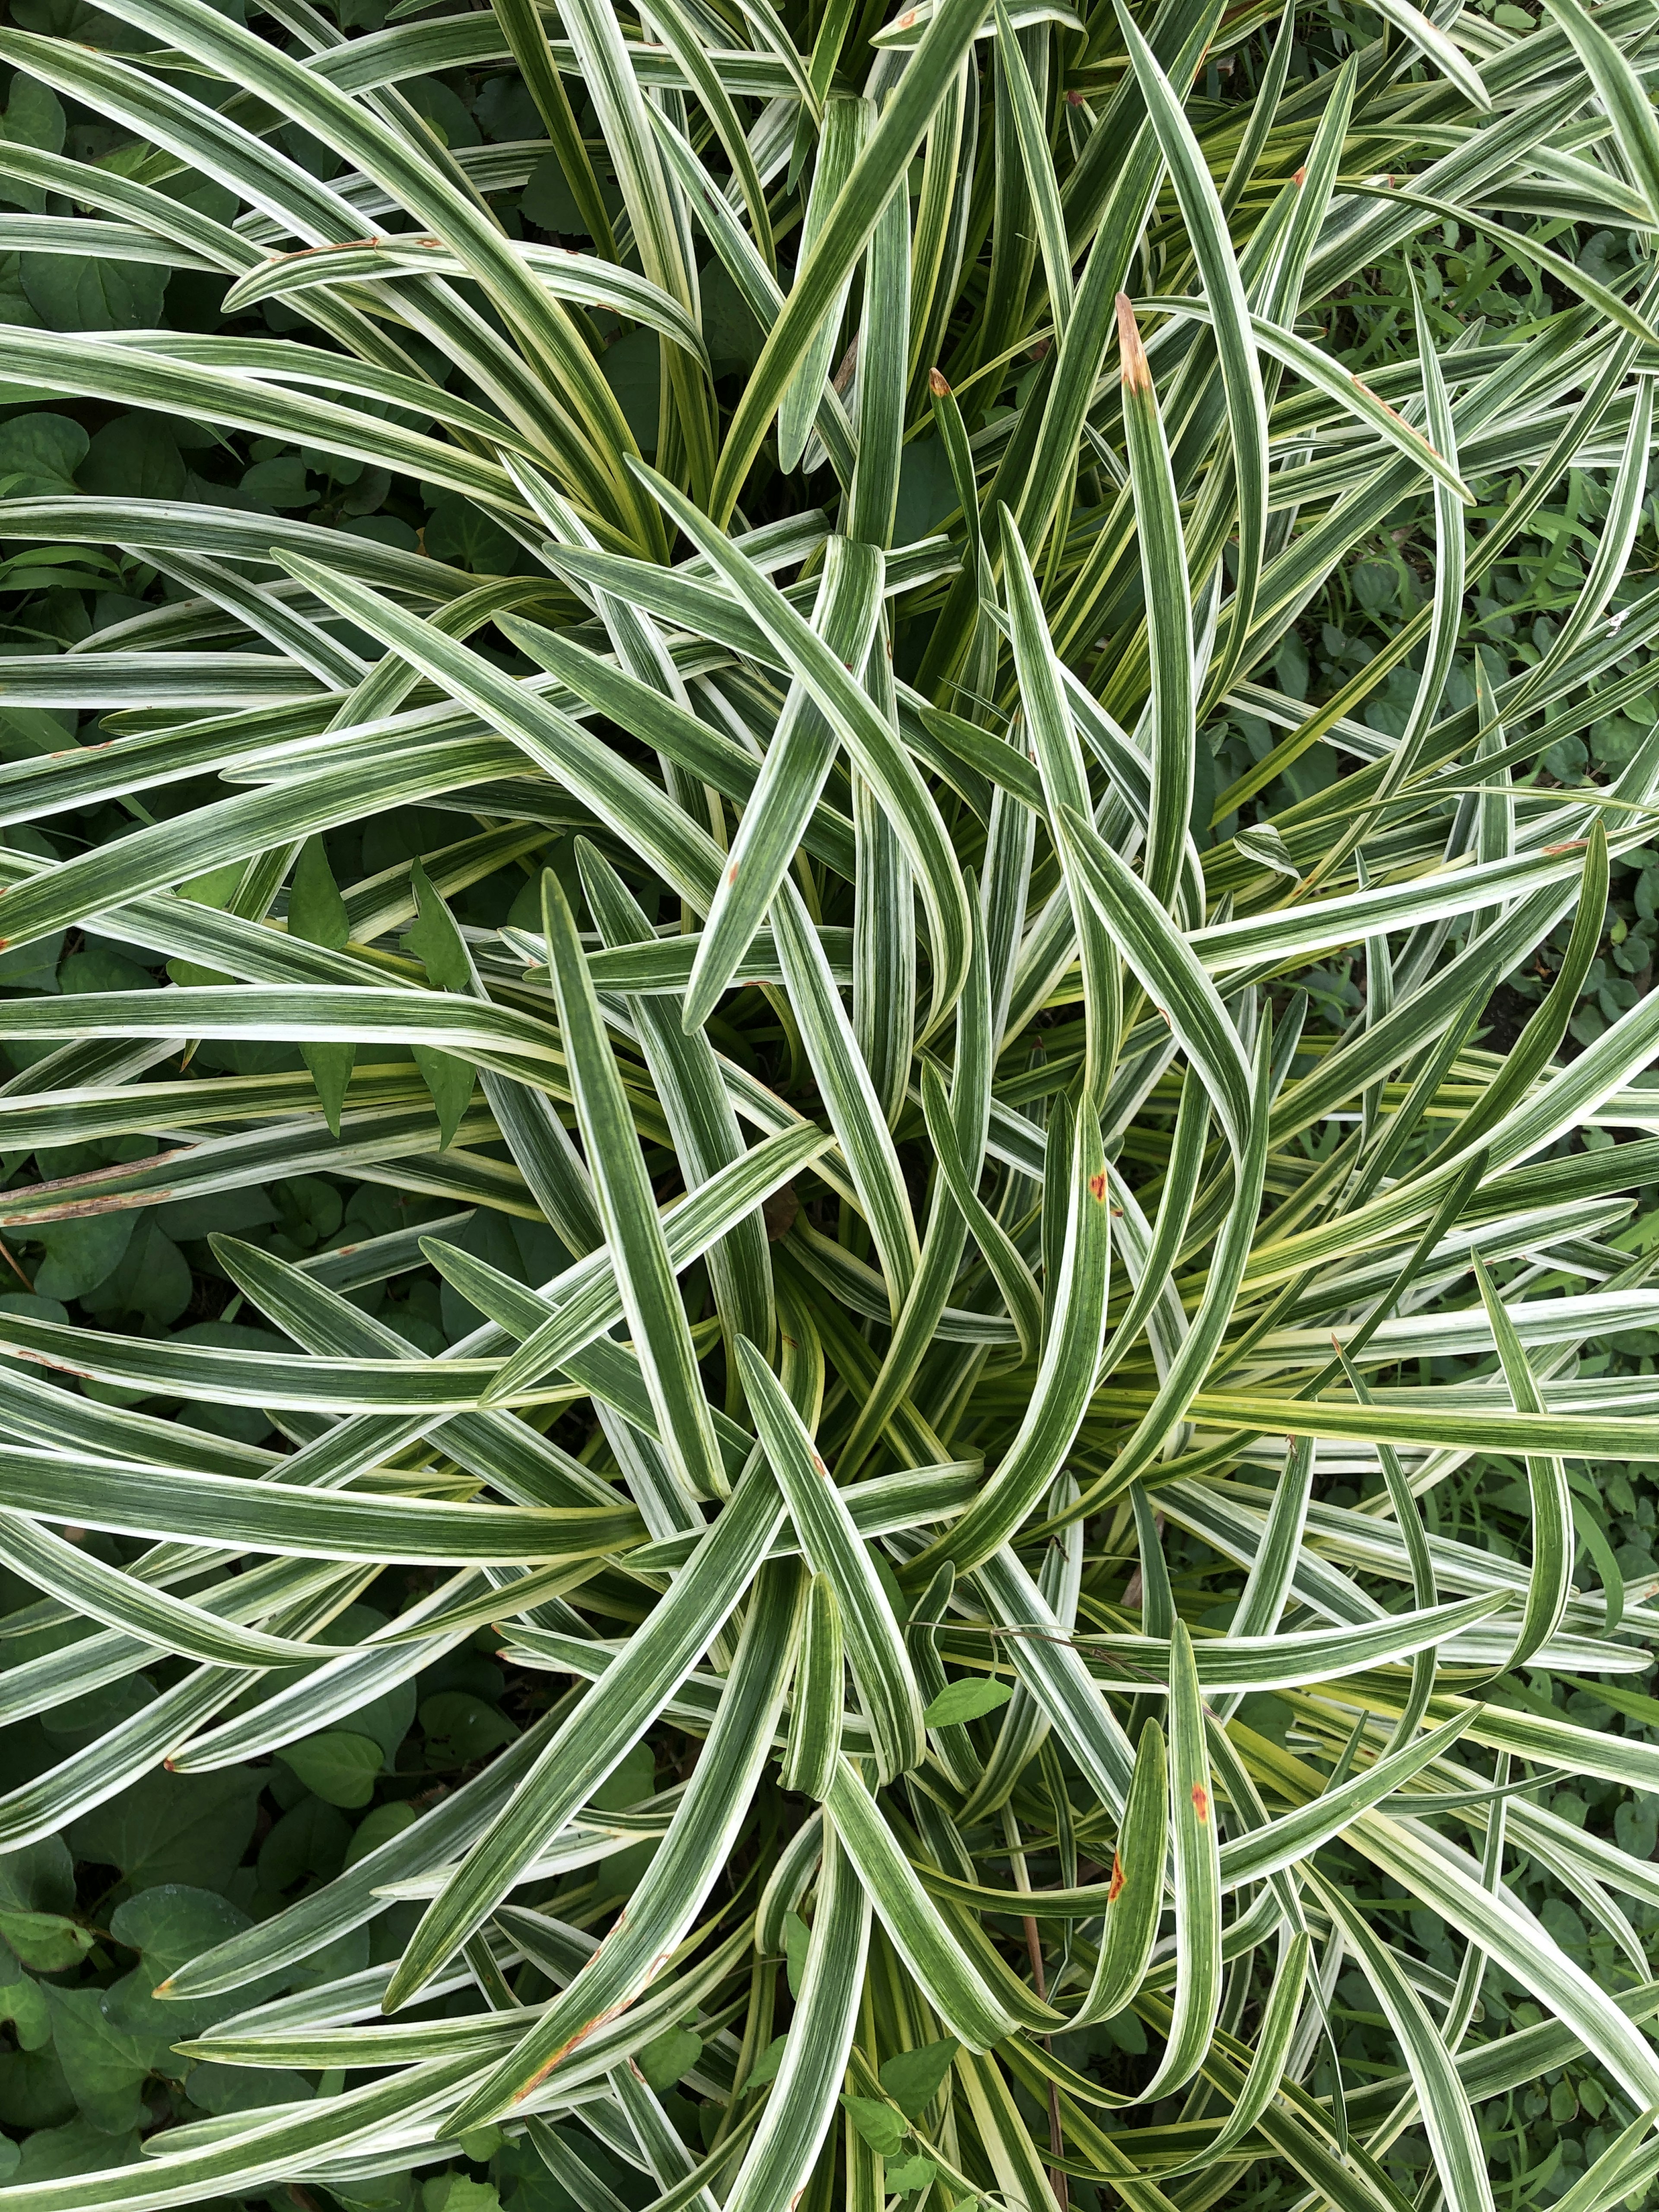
(828, 890)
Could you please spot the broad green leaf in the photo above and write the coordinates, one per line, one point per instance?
(965, 1701)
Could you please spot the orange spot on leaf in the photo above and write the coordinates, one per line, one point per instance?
(1200, 1801)
(1096, 1187)
(1117, 1879)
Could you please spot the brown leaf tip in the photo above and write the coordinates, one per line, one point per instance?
(1137, 376)
(937, 384)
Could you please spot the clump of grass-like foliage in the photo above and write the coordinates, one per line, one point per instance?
(1019, 1344)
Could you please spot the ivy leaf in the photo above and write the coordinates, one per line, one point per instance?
(456, 2192)
(450, 1082)
(966, 1701)
(668, 2058)
(48, 1941)
(23, 2008)
(241, 2089)
(460, 1727)
(317, 912)
(173, 1827)
(151, 1278)
(909, 2175)
(458, 532)
(166, 1925)
(337, 1766)
(79, 2147)
(311, 1210)
(78, 292)
(172, 1921)
(39, 1878)
(633, 368)
(765, 2068)
(105, 2065)
(881, 2127)
(280, 481)
(16, 309)
(435, 940)
(39, 455)
(79, 1254)
(330, 1064)
(136, 457)
(912, 2078)
(315, 909)
(34, 117)
(378, 1827)
(312, 1838)
(796, 1937)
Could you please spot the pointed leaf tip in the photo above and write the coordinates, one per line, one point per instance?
(1137, 374)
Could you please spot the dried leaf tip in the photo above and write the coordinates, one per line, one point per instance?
(937, 384)
(1137, 376)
